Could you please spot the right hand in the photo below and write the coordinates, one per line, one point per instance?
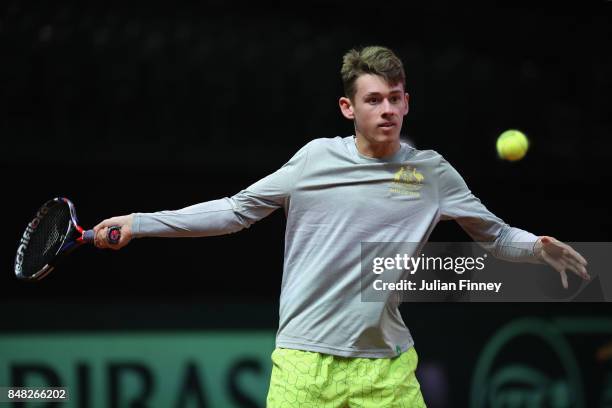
(101, 231)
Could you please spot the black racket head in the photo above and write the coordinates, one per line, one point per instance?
(50, 232)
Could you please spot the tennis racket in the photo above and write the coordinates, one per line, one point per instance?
(53, 233)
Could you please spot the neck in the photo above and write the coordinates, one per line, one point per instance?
(376, 150)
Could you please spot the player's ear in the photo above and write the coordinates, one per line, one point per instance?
(346, 107)
(407, 103)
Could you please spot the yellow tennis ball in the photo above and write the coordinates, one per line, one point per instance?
(512, 145)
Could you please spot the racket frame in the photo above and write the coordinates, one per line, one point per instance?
(68, 244)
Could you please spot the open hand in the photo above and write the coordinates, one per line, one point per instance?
(561, 257)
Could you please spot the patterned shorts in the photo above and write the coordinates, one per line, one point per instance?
(304, 379)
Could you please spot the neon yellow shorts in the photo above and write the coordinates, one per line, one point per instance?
(306, 379)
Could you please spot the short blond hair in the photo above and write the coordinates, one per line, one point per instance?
(375, 60)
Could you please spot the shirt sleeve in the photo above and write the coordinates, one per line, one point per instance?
(274, 191)
(226, 215)
(458, 203)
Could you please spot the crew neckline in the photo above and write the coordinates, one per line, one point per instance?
(395, 157)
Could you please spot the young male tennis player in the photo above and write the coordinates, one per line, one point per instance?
(332, 349)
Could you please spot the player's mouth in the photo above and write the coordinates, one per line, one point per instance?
(386, 125)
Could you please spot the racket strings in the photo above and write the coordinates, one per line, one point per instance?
(47, 238)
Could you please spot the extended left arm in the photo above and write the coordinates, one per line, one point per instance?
(509, 243)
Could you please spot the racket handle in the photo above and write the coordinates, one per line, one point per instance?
(113, 236)
(88, 236)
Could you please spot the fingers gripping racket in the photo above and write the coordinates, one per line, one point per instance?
(53, 233)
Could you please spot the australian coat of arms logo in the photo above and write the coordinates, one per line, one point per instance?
(407, 181)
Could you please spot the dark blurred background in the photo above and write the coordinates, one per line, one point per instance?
(142, 108)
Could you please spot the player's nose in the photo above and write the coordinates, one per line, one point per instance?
(387, 107)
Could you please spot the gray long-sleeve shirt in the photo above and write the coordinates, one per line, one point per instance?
(335, 198)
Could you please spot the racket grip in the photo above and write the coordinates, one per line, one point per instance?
(113, 236)
(88, 236)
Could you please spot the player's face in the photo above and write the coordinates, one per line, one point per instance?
(378, 110)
